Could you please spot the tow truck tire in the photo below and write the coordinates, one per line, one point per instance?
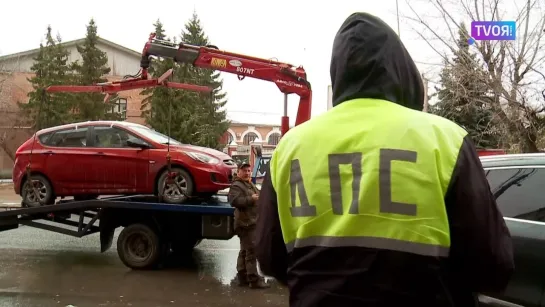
(139, 247)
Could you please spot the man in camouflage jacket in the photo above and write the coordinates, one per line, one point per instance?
(243, 195)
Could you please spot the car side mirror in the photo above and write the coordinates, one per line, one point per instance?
(136, 143)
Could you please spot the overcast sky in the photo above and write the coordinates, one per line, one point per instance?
(298, 32)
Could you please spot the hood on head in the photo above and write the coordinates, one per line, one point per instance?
(370, 61)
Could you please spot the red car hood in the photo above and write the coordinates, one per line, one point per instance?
(215, 153)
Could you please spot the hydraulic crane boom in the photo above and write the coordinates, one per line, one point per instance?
(289, 79)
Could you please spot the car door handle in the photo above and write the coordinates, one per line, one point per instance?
(47, 152)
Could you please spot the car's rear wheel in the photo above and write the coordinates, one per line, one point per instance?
(169, 190)
(37, 192)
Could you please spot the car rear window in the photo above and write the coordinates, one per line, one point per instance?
(44, 138)
(72, 137)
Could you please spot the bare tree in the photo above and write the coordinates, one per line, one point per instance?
(512, 69)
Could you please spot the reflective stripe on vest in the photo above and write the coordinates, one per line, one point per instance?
(367, 173)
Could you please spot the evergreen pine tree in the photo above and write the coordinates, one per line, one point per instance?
(463, 97)
(50, 68)
(213, 119)
(195, 118)
(91, 70)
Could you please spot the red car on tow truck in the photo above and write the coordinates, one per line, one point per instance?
(95, 158)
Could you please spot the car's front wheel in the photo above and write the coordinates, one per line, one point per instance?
(176, 187)
(37, 192)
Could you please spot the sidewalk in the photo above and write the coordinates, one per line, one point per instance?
(8, 198)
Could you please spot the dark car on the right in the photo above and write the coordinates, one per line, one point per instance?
(518, 183)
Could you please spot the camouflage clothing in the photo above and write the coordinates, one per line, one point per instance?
(246, 261)
(240, 197)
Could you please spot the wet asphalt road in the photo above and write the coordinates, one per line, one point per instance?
(41, 268)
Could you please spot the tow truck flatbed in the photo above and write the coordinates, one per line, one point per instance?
(217, 204)
(164, 227)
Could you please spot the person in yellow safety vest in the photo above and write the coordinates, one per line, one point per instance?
(374, 202)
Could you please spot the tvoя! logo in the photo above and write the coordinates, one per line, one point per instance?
(492, 30)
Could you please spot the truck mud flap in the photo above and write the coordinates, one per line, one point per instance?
(107, 228)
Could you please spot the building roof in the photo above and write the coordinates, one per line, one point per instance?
(70, 44)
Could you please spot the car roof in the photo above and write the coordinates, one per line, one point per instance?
(91, 122)
(527, 159)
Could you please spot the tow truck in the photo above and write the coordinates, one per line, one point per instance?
(153, 229)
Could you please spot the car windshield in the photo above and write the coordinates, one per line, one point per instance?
(154, 135)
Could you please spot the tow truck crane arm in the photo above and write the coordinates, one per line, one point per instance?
(289, 79)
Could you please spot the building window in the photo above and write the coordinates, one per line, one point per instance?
(274, 138)
(120, 107)
(249, 137)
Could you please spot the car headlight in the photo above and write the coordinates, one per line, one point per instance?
(203, 158)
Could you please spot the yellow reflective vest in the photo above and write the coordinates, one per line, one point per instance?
(367, 173)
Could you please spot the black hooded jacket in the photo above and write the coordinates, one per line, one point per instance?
(370, 61)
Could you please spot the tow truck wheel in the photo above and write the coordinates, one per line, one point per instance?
(139, 247)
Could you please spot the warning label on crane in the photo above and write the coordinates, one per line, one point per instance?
(218, 62)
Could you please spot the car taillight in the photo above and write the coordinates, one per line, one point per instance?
(26, 145)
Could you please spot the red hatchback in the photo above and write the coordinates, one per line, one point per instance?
(95, 158)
